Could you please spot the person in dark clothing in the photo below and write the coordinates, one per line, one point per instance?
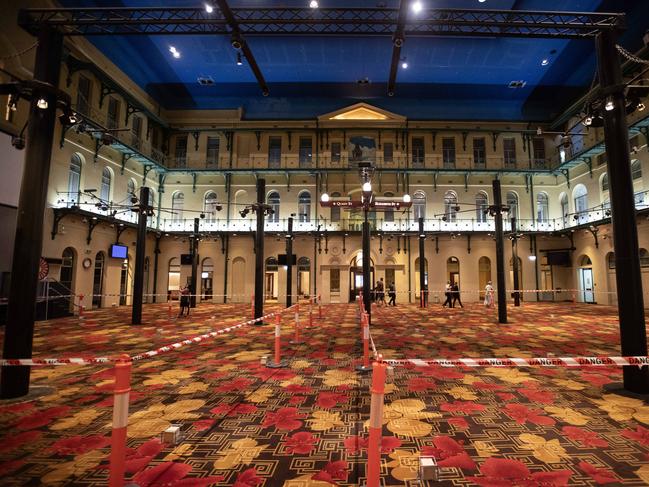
(448, 294)
(456, 295)
(184, 301)
(392, 293)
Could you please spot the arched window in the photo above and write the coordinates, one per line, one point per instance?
(106, 181)
(450, 206)
(481, 205)
(605, 182)
(580, 197)
(304, 206)
(335, 210)
(130, 188)
(636, 169)
(210, 206)
(388, 214)
(67, 268)
(152, 200)
(563, 201)
(273, 201)
(512, 202)
(74, 180)
(585, 261)
(177, 204)
(419, 205)
(542, 207)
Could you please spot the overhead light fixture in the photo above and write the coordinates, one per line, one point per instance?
(641, 106)
(588, 121)
(174, 52)
(239, 60)
(404, 64)
(545, 62)
(417, 6)
(313, 4)
(367, 187)
(539, 131)
(42, 103)
(208, 8)
(324, 197)
(406, 198)
(532, 257)
(609, 105)
(482, 1)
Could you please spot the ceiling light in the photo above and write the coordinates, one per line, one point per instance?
(539, 131)
(545, 62)
(482, 1)
(42, 103)
(588, 121)
(367, 187)
(324, 197)
(610, 104)
(404, 64)
(239, 60)
(641, 106)
(313, 4)
(417, 6)
(208, 8)
(406, 198)
(531, 257)
(174, 52)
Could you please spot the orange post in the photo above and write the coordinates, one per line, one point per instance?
(366, 341)
(120, 421)
(296, 339)
(310, 315)
(277, 363)
(376, 425)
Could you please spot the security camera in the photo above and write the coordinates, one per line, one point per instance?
(18, 142)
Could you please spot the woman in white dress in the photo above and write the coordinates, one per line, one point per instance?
(488, 295)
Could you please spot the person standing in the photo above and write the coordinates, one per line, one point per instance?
(456, 295)
(184, 301)
(380, 292)
(488, 295)
(392, 293)
(448, 294)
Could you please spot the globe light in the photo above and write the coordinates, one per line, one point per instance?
(324, 197)
(367, 187)
(406, 198)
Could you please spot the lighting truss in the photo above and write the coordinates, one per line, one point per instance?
(320, 22)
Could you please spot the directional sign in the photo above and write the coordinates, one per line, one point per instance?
(375, 205)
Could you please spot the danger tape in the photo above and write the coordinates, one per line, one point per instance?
(56, 361)
(526, 362)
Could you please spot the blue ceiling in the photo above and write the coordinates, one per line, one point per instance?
(447, 78)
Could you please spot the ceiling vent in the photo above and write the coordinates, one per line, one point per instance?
(205, 81)
(517, 84)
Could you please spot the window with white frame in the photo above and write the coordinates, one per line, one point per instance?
(106, 181)
(74, 180)
(210, 206)
(512, 202)
(273, 201)
(542, 208)
(177, 205)
(419, 204)
(481, 204)
(450, 206)
(304, 206)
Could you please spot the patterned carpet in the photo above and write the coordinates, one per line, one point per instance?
(247, 425)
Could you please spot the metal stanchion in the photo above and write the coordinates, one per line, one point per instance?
(277, 363)
(376, 425)
(365, 335)
(296, 339)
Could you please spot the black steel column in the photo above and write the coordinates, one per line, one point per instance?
(367, 289)
(140, 255)
(289, 263)
(259, 250)
(625, 232)
(500, 252)
(19, 331)
(194, 252)
(517, 296)
(156, 255)
(423, 299)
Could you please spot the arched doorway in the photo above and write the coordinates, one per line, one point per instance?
(207, 276)
(356, 276)
(484, 274)
(520, 274)
(303, 276)
(417, 279)
(66, 277)
(453, 270)
(586, 284)
(98, 280)
(271, 280)
(173, 279)
(239, 280)
(610, 278)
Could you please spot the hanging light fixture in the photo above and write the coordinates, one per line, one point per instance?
(42, 103)
(239, 60)
(610, 104)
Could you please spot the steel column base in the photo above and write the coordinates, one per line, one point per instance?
(362, 368)
(275, 365)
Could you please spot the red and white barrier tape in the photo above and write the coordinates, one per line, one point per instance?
(56, 361)
(526, 362)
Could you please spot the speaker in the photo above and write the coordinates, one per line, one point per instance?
(282, 259)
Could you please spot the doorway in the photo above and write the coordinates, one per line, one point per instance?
(98, 280)
(303, 276)
(453, 270)
(356, 276)
(123, 283)
(271, 278)
(173, 279)
(207, 273)
(586, 280)
(484, 274)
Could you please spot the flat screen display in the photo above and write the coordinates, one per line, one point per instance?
(561, 258)
(118, 251)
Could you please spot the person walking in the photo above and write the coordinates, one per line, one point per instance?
(456, 295)
(489, 295)
(380, 293)
(184, 301)
(392, 293)
(448, 294)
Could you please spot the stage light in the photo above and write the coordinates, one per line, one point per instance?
(367, 187)
(239, 60)
(610, 104)
(12, 102)
(174, 52)
(641, 106)
(417, 6)
(406, 198)
(324, 197)
(545, 62)
(42, 103)
(218, 207)
(313, 4)
(208, 8)
(588, 121)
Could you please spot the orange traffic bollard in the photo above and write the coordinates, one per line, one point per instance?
(376, 424)
(365, 336)
(296, 339)
(277, 363)
(117, 465)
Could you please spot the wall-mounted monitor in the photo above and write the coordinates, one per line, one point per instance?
(118, 251)
(561, 258)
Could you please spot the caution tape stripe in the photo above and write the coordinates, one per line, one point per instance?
(526, 362)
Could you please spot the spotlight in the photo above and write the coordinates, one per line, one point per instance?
(417, 6)
(324, 197)
(12, 102)
(545, 62)
(588, 121)
(235, 41)
(610, 104)
(208, 8)
(406, 198)
(218, 207)
(239, 60)
(404, 64)
(532, 257)
(133, 200)
(456, 208)
(244, 212)
(444, 218)
(367, 187)
(539, 131)
(313, 4)
(202, 215)
(641, 106)
(174, 52)
(42, 103)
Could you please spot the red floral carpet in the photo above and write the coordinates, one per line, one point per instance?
(305, 425)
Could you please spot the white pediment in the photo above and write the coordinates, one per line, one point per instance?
(361, 112)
